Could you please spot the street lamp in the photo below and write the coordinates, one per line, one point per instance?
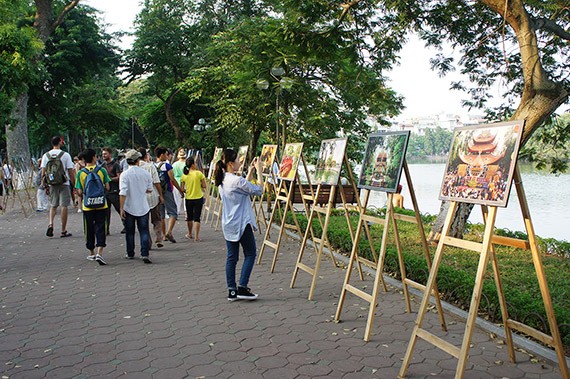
(202, 125)
(282, 83)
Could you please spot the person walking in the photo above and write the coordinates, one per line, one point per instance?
(178, 171)
(93, 217)
(168, 183)
(193, 182)
(154, 198)
(134, 184)
(114, 170)
(58, 171)
(238, 220)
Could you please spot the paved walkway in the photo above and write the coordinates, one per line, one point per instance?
(62, 316)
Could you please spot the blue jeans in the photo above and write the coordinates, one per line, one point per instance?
(247, 242)
(142, 226)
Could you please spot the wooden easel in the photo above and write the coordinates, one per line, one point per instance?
(319, 242)
(390, 218)
(487, 252)
(285, 193)
(257, 202)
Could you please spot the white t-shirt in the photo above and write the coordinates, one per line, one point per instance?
(134, 184)
(65, 159)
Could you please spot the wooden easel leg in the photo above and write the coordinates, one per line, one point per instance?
(401, 263)
(477, 290)
(302, 249)
(353, 259)
(542, 282)
(428, 289)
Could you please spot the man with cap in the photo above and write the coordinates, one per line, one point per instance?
(134, 184)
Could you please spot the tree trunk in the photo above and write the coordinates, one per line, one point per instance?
(17, 143)
(171, 118)
(253, 143)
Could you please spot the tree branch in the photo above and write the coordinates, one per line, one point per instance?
(346, 8)
(72, 4)
(551, 26)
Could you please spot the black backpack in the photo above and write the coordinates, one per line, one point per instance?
(162, 175)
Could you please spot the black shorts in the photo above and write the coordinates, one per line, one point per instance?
(194, 209)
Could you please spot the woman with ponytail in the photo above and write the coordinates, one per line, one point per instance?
(193, 182)
(238, 219)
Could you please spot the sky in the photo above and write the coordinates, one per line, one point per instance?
(425, 93)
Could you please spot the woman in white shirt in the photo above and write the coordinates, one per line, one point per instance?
(238, 219)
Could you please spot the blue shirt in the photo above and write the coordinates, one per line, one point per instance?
(237, 210)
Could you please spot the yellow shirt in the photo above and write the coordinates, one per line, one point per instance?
(193, 184)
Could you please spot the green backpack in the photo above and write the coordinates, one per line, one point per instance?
(54, 171)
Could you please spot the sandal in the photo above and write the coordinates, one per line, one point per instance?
(49, 231)
(65, 234)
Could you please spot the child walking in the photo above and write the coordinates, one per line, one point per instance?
(192, 183)
(238, 220)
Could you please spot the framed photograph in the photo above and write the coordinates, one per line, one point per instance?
(481, 163)
(383, 161)
(329, 163)
(267, 157)
(242, 156)
(215, 158)
(290, 161)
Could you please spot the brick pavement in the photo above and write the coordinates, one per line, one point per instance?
(62, 316)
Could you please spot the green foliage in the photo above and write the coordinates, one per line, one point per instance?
(550, 146)
(434, 143)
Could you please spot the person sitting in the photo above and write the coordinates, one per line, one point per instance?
(397, 198)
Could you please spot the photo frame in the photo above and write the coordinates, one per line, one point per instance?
(242, 156)
(267, 158)
(383, 161)
(215, 158)
(329, 163)
(290, 161)
(481, 163)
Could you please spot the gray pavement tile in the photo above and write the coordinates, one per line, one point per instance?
(128, 319)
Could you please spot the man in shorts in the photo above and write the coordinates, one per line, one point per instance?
(59, 195)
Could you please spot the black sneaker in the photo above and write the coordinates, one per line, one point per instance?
(127, 256)
(124, 231)
(100, 260)
(244, 293)
(146, 260)
(232, 295)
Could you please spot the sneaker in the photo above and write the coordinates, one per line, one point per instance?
(146, 260)
(100, 260)
(170, 238)
(232, 295)
(127, 256)
(90, 257)
(124, 231)
(244, 293)
(159, 244)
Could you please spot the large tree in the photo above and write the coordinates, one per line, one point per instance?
(48, 15)
(522, 44)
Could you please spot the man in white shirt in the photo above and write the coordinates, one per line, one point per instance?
(134, 184)
(59, 194)
(154, 198)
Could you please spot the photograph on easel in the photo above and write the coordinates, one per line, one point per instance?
(216, 157)
(329, 163)
(290, 161)
(267, 157)
(383, 161)
(242, 156)
(481, 163)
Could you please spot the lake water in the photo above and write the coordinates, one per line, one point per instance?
(548, 198)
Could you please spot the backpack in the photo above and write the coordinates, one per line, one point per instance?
(162, 175)
(54, 171)
(93, 189)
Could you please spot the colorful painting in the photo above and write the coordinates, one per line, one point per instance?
(383, 161)
(329, 163)
(290, 161)
(267, 157)
(242, 156)
(481, 163)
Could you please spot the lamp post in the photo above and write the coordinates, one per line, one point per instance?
(201, 127)
(282, 82)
